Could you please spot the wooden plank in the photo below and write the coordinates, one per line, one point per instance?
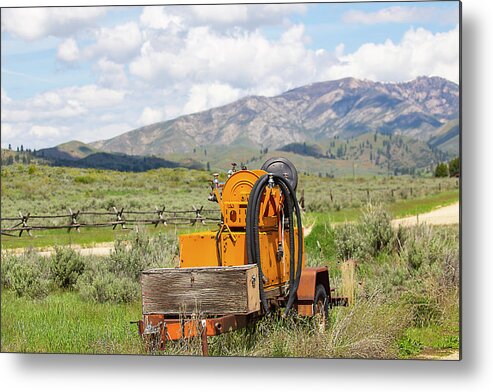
(348, 280)
(203, 290)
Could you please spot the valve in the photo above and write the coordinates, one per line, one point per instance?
(216, 180)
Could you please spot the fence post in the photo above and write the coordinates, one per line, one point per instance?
(119, 218)
(161, 217)
(24, 219)
(73, 220)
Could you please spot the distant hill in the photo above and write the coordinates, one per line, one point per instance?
(72, 150)
(446, 138)
(315, 113)
(78, 154)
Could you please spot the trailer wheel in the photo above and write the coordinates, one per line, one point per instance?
(321, 302)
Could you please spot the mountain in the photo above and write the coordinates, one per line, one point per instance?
(317, 112)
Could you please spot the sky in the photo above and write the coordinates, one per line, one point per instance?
(92, 73)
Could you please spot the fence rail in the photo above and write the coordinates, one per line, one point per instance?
(164, 217)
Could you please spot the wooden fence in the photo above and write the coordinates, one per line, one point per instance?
(117, 218)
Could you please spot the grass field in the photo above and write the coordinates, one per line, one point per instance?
(63, 322)
(407, 301)
(46, 190)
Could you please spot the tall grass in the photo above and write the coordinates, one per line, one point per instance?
(407, 297)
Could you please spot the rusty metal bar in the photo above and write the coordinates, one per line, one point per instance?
(203, 335)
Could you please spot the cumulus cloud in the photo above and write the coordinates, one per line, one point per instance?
(150, 116)
(119, 43)
(8, 131)
(68, 51)
(111, 74)
(4, 97)
(420, 52)
(41, 131)
(402, 14)
(179, 60)
(205, 96)
(243, 59)
(63, 103)
(218, 16)
(35, 23)
(158, 17)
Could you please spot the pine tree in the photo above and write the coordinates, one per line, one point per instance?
(441, 170)
(454, 167)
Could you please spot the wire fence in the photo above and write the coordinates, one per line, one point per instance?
(117, 218)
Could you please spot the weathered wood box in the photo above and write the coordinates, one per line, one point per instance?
(203, 290)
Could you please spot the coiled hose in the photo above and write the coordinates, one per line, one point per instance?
(253, 240)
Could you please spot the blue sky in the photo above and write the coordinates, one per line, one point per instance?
(93, 73)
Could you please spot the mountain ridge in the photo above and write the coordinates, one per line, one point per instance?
(345, 108)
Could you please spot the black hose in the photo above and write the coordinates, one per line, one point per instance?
(289, 210)
(293, 289)
(252, 234)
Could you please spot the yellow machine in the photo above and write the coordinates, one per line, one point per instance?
(228, 246)
(260, 225)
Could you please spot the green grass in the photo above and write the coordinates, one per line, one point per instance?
(433, 339)
(397, 209)
(420, 206)
(64, 323)
(55, 189)
(87, 237)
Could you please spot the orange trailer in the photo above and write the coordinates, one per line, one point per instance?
(261, 226)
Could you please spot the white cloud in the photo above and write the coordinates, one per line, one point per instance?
(68, 51)
(401, 14)
(243, 59)
(169, 63)
(119, 43)
(36, 23)
(150, 116)
(205, 96)
(63, 103)
(247, 16)
(219, 16)
(8, 131)
(158, 17)
(40, 131)
(420, 52)
(4, 97)
(111, 74)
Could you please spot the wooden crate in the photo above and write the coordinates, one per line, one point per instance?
(203, 290)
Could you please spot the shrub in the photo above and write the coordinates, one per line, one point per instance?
(350, 242)
(377, 230)
(102, 285)
(370, 236)
(143, 252)
(116, 278)
(27, 274)
(66, 266)
(84, 179)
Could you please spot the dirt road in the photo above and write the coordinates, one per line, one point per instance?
(448, 215)
(102, 249)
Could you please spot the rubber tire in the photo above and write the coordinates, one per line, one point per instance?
(321, 295)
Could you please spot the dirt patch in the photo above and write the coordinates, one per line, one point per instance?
(439, 355)
(448, 215)
(102, 249)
